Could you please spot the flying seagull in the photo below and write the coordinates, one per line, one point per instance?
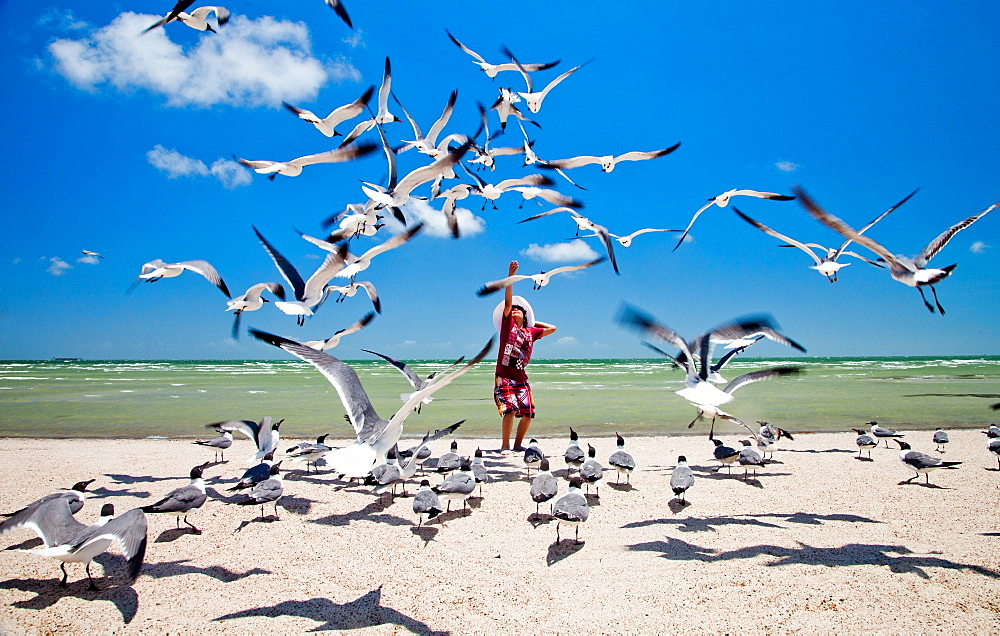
(197, 19)
(491, 70)
(328, 124)
(293, 167)
(722, 201)
(375, 436)
(540, 280)
(156, 269)
(912, 272)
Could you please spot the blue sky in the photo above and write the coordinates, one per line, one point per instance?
(124, 145)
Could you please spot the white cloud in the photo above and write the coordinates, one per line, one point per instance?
(16, 261)
(786, 166)
(174, 164)
(355, 39)
(435, 223)
(61, 19)
(576, 250)
(567, 341)
(250, 62)
(57, 266)
(89, 260)
(979, 247)
(231, 174)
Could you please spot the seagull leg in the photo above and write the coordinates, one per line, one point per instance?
(276, 511)
(62, 583)
(91, 587)
(196, 530)
(939, 307)
(557, 532)
(929, 306)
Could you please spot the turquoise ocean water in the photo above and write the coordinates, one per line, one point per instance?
(136, 399)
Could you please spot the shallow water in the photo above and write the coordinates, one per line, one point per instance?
(598, 397)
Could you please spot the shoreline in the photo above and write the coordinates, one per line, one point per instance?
(819, 541)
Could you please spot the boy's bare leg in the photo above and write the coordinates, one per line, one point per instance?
(506, 426)
(522, 430)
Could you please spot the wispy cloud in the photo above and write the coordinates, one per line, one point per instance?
(355, 40)
(786, 166)
(88, 260)
(576, 250)
(250, 62)
(57, 266)
(567, 341)
(175, 165)
(435, 223)
(979, 247)
(61, 20)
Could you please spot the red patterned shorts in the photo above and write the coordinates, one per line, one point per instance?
(514, 396)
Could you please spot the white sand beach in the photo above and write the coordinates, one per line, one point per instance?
(819, 541)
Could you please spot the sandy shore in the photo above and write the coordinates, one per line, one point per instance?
(820, 541)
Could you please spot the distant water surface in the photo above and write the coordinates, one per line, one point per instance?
(136, 399)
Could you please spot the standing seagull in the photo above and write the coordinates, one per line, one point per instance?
(449, 462)
(574, 455)
(993, 445)
(375, 436)
(591, 470)
(571, 508)
(129, 530)
(749, 459)
(426, 504)
(180, 501)
(327, 124)
(921, 462)
(156, 269)
(544, 486)
(533, 455)
(940, 438)
(267, 491)
(681, 478)
(622, 461)
(255, 474)
(218, 444)
(30, 516)
(310, 453)
(912, 272)
(457, 486)
(880, 432)
(864, 441)
(722, 201)
(725, 455)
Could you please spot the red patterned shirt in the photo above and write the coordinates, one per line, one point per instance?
(515, 349)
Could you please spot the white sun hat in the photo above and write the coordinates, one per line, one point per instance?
(529, 313)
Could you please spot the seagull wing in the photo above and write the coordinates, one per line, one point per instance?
(774, 196)
(287, 270)
(50, 518)
(847, 231)
(760, 376)
(331, 265)
(693, 219)
(338, 8)
(574, 162)
(129, 530)
(763, 228)
(465, 48)
(431, 171)
(337, 155)
(343, 378)
(247, 427)
(638, 320)
(415, 381)
(870, 224)
(497, 285)
(552, 211)
(209, 272)
(439, 125)
(938, 244)
(573, 268)
(530, 180)
(638, 155)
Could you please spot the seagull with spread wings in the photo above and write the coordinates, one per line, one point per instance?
(912, 272)
(540, 280)
(375, 436)
(327, 125)
(294, 167)
(156, 269)
(722, 201)
(491, 70)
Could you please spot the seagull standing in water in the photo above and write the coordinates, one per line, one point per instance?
(722, 201)
(375, 436)
(828, 265)
(921, 462)
(912, 272)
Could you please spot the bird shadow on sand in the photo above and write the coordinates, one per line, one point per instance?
(709, 524)
(261, 519)
(540, 519)
(48, 592)
(899, 559)
(173, 534)
(593, 499)
(426, 533)
(676, 505)
(372, 512)
(27, 544)
(181, 567)
(562, 548)
(907, 482)
(104, 493)
(451, 515)
(620, 487)
(296, 505)
(863, 459)
(132, 479)
(363, 612)
(812, 450)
